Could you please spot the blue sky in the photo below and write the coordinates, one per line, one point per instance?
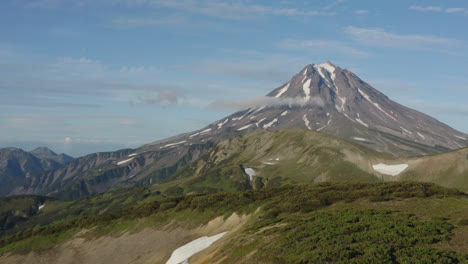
(82, 76)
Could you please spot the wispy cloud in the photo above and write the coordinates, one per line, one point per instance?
(361, 12)
(231, 9)
(450, 10)
(213, 8)
(164, 97)
(426, 8)
(381, 38)
(247, 69)
(321, 46)
(265, 101)
(136, 22)
(456, 10)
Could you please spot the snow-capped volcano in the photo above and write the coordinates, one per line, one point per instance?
(337, 102)
(321, 97)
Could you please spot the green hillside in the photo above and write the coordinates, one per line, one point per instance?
(293, 156)
(395, 222)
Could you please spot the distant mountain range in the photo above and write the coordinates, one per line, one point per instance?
(321, 97)
(17, 165)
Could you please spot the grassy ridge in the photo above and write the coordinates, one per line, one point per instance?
(301, 208)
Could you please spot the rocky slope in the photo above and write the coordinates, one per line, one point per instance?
(17, 166)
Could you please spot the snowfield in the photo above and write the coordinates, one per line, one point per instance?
(392, 170)
(124, 161)
(182, 254)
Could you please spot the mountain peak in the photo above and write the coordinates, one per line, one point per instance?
(43, 152)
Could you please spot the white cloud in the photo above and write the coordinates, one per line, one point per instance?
(450, 10)
(361, 12)
(134, 22)
(265, 101)
(228, 10)
(319, 46)
(381, 38)
(164, 97)
(212, 8)
(455, 10)
(426, 8)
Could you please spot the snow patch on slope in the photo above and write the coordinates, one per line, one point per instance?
(360, 139)
(306, 121)
(134, 154)
(261, 120)
(460, 137)
(124, 161)
(283, 90)
(250, 172)
(419, 134)
(183, 253)
(41, 206)
(284, 113)
(271, 123)
(361, 122)
(375, 104)
(392, 170)
(220, 125)
(173, 144)
(405, 130)
(244, 127)
(306, 89)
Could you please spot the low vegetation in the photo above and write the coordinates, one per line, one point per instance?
(315, 223)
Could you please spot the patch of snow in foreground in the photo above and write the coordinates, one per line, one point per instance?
(134, 154)
(392, 170)
(41, 206)
(268, 163)
(124, 161)
(460, 137)
(271, 123)
(244, 127)
(250, 172)
(360, 139)
(182, 254)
